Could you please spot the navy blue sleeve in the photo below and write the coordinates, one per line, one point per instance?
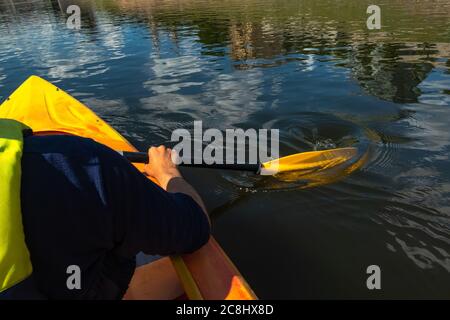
(148, 218)
(83, 204)
(107, 203)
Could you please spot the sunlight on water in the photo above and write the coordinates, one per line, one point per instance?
(309, 68)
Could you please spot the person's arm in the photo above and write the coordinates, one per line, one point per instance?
(148, 218)
(165, 171)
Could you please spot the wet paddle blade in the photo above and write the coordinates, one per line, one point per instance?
(309, 161)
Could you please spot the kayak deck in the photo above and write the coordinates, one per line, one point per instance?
(205, 274)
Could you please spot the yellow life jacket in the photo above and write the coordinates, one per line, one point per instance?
(15, 263)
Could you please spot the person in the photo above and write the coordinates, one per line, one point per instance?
(85, 205)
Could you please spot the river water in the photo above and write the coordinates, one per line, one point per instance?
(309, 68)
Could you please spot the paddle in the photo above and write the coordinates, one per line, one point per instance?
(311, 161)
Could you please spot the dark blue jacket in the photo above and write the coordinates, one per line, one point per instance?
(85, 205)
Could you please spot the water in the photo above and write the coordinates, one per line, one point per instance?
(310, 68)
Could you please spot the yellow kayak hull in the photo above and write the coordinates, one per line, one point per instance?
(206, 274)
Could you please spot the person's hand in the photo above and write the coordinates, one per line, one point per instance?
(161, 166)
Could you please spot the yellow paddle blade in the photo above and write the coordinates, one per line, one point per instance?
(309, 161)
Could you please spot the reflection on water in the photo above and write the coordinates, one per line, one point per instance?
(312, 131)
(309, 68)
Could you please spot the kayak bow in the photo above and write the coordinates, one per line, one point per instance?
(207, 273)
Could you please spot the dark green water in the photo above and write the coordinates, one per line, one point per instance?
(309, 68)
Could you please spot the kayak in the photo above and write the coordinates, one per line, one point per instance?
(207, 273)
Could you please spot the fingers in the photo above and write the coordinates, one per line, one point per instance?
(160, 152)
(160, 149)
(161, 165)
